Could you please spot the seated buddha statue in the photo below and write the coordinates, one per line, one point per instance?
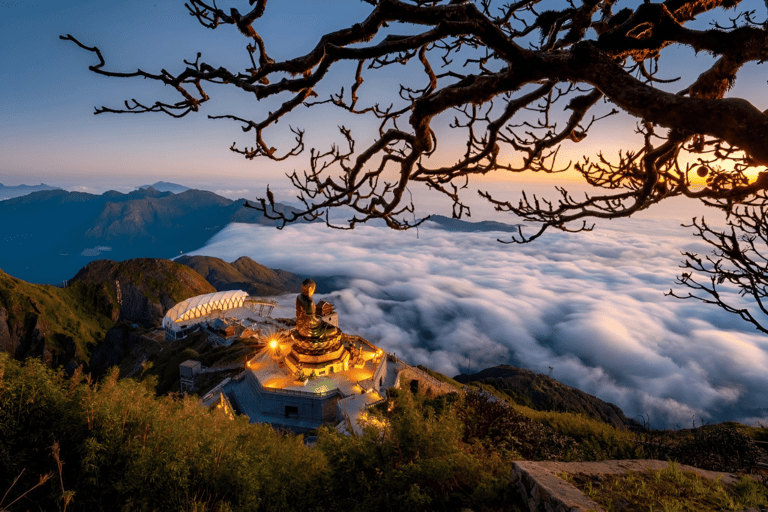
(308, 321)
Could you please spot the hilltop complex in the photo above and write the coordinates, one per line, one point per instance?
(299, 378)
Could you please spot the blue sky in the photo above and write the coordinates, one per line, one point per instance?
(49, 133)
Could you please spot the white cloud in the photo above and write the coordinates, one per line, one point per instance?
(234, 193)
(589, 305)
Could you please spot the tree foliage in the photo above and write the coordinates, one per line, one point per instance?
(502, 73)
(113, 445)
(121, 448)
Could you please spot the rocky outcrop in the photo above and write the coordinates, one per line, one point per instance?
(7, 343)
(144, 289)
(66, 326)
(53, 324)
(117, 344)
(31, 337)
(544, 491)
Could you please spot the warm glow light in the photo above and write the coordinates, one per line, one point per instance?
(273, 344)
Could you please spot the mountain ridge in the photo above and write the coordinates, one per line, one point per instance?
(242, 274)
(50, 235)
(11, 191)
(543, 393)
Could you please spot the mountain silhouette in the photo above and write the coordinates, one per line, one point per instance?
(9, 192)
(243, 274)
(49, 235)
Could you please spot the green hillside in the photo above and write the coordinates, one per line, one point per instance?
(122, 448)
(69, 443)
(57, 320)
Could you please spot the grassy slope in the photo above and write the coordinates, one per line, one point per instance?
(72, 312)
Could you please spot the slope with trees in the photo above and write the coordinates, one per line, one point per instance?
(69, 443)
(59, 326)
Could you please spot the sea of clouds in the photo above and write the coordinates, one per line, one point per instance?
(588, 307)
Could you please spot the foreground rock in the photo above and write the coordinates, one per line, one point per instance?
(542, 489)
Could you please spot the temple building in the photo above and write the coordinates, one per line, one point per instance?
(311, 375)
(314, 374)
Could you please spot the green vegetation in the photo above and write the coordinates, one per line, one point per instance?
(595, 440)
(723, 447)
(669, 489)
(63, 317)
(123, 448)
(587, 439)
(69, 443)
(421, 459)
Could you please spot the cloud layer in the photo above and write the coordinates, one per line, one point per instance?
(590, 306)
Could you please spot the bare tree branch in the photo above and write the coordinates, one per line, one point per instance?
(507, 72)
(738, 261)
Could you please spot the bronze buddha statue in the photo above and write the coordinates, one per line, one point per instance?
(308, 321)
(317, 346)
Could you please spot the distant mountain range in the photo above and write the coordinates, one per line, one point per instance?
(47, 236)
(464, 226)
(164, 186)
(9, 192)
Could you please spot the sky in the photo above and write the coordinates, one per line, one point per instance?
(48, 131)
(591, 305)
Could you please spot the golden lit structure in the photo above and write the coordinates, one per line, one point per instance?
(317, 347)
(314, 374)
(311, 375)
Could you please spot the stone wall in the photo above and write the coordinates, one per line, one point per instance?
(428, 385)
(545, 492)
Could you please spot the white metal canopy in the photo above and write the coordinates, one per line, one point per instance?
(202, 305)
